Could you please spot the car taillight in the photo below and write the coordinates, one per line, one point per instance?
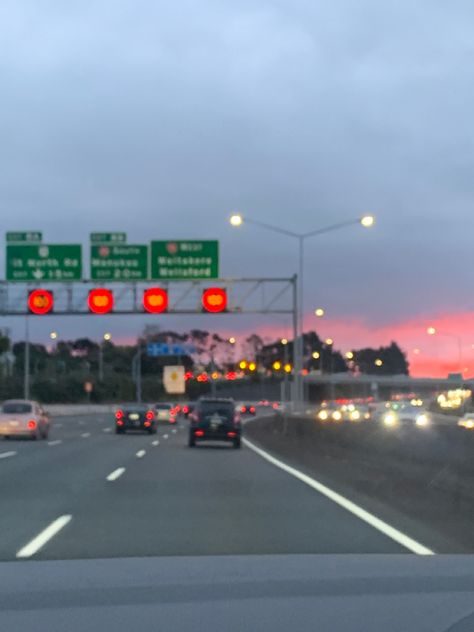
(150, 415)
(252, 409)
(119, 422)
(185, 410)
(199, 433)
(242, 409)
(177, 408)
(147, 423)
(32, 424)
(275, 405)
(119, 414)
(172, 420)
(231, 434)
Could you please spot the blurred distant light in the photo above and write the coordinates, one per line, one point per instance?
(232, 340)
(287, 368)
(53, 335)
(378, 362)
(284, 341)
(252, 366)
(319, 312)
(416, 351)
(329, 341)
(431, 331)
(236, 219)
(107, 336)
(243, 364)
(350, 355)
(315, 355)
(367, 221)
(277, 365)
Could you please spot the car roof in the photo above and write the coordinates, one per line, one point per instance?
(19, 401)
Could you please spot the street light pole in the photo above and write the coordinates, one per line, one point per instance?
(237, 220)
(26, 384)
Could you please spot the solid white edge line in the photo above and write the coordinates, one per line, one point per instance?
(345, 503)
(5, 455)
(42, 538)
(140, 454)
(113, 476)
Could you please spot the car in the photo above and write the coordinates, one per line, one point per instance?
(187, 409)
(24, 418)
(215, 419)
(165, 413)
(247, 409)
(406, 414)
(355, 412)
(330, 412)
(135, 417)
(467, 421)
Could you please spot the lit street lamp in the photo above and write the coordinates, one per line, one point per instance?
(378, 362)
(319, 312)
(366, 221)
(106, 338)
(53, 335)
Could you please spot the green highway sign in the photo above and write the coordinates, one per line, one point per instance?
(41, 262)
(184, 260)
(111, 262)
(30, 236)
(108, 238)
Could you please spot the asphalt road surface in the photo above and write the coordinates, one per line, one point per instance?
(88, 493)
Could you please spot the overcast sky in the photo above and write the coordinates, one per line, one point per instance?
(160, 118)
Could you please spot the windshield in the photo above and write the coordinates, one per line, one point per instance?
(262, 208)
(16, 407)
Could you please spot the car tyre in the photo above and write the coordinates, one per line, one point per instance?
(119, 431)
(192, 442)
(236, 444)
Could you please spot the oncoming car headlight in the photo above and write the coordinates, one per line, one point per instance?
(422, 420)
(337, 415)
(390, 419)
(355, 415)
(323, 415)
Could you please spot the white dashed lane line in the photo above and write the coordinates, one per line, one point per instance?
(45, 536)
(174, 431)
(140, 454)
(56, 442)
(5, 455)
(165, 436)
(106, 429)
(113, 476)
(85, 435)
(156, 442)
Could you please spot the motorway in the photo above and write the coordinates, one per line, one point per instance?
(88, 493)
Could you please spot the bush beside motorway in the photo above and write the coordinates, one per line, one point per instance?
(425, 475)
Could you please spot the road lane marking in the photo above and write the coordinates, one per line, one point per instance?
(106, 429)
(84, 435)
(42, 538)
(81, 422)
(56, 442)
(5, 455)
(155, 442)
(165, 436)
(113, 476)
(345, 503)
(174, 431)
(140, 454)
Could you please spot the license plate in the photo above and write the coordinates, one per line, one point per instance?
(134, 416)
(14, 423)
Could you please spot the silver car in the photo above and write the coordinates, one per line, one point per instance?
(23, 418)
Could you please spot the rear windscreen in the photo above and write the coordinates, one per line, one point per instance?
(212, 408)
(163, 406)
(16, 408)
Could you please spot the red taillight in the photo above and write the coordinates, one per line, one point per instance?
(150, 415)
(172, 420)
(185, 410)
(177, 408)
(199, 433)
(242, 409)
(275, 405)
(147, 423)
(119, 414)
(32, 424)
(252, 409)
(231, 434)
(119, 422)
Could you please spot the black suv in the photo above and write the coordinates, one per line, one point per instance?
(215, 419)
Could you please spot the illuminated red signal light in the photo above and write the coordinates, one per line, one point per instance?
(40, 302)
(214, 300)
(155, 300)
(100, 301)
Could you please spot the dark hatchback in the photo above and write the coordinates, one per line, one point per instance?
(215, 419)
(137, 417)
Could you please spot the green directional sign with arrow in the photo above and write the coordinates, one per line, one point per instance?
(42, 262)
